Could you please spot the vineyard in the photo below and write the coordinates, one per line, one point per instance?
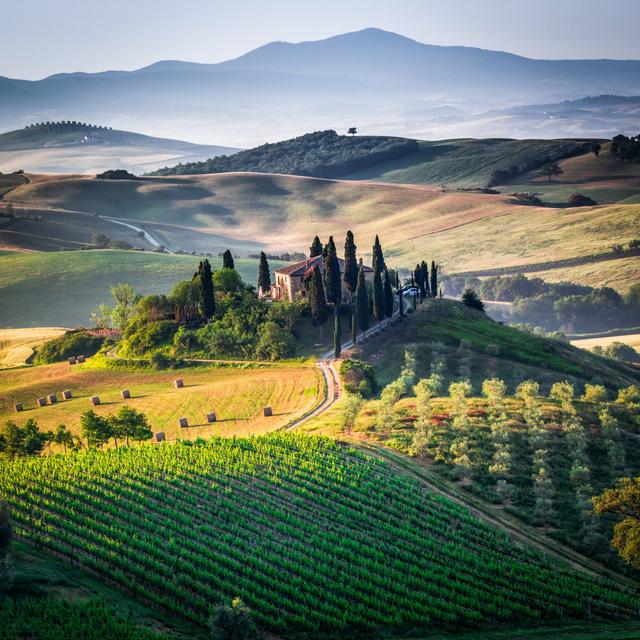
(313, 536)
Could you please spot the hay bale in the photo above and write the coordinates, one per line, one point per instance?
(160, 436)
(66, 395)
(267, 412)
(52, 398)
(125, 394)
(211, 417)
(178, 383)
(72, 361)
(80, 359)
(95, 400)
(18, 407)
(41, 402)
(183, 422)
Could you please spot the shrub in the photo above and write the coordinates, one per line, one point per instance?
(629, 395)
(274, 342)
(359, 377)
(150, 336)
(594, 393)
(233, 622)
(72, 343)
(116, 174)
(580, 200)
(471, 299)
(621, 351)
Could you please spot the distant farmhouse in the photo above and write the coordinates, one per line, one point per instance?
(290, 280)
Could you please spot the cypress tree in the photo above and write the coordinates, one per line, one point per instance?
(205, 278)
(434, 279)
(388, 295)
(316, 248)
(354, 324)
(417, 275)
(332, 282)
(264, 275)
(362, 302)
(350, 263)
(378, 257)
(317, 299)
(337, 330)
(227, 260)
(378, 297)
(424, 270)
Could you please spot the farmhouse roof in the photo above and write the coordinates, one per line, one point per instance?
(301, 267)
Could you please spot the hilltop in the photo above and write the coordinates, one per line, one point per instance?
(357, 78)
(78, 147)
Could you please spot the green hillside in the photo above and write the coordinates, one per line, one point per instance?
(63, 288)
(313, 536)
(325, 154)
(471, 345)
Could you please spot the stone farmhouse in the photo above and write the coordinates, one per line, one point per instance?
(290, 279)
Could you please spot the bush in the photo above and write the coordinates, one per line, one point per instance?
(233, 622)
(580, 200)
(149, 337)
(621, 351)
(471, 299)
(594, 393)
(116, 174)
(359, 377)
(274, 342)
(72, 343)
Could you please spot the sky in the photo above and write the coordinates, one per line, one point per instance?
(43, 37)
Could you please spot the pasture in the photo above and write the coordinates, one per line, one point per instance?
(63, 288)
(237, 395)
(18, 345)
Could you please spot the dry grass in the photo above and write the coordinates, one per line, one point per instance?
(17, 345)
(632, 339)
(236, 395)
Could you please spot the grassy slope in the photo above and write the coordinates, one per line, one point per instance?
(63, 288)
(466, 163)
(237, 396)
(521, 355)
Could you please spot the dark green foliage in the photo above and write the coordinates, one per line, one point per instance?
(550, 170)
(332, 280)
(626, 148)
(227, 281)
(205, 282)
(274, 342)
(233, 622)
(129, 424)
(316, 248)
(359, 377)
(388, 295)
(317, 299)
(227, 260)
(378, 257)
(323, 154)
(471, 299)
(378, 297)
(621, 351)
(46, 618)
(354, 324)
(362, 302)
(22, 441)
(95, 429)
(116, 174)
(424, 278)
(433, 279)
(350, 263)
(72, 343)
(149, 337)
(337, 333)
(185, 299)
(264, 275)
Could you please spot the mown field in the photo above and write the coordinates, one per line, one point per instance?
(632, 339)
(63, 288)
(237, 395)
(313, 536)
(17, 345)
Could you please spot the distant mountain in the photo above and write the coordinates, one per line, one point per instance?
(76, 147)
(380, 81)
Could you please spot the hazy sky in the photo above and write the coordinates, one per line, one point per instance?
(42, 37)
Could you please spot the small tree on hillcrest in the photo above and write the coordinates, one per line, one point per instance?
(352, 131)
(316, 248)
(472, 300)
(227, 260)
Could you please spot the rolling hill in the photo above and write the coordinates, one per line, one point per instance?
(74, 147)
(370, 78)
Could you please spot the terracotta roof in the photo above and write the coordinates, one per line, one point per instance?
(300, 268)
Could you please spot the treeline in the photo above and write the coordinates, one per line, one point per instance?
(563, 306)
(65, 125)
(322, 154)
(626, 148)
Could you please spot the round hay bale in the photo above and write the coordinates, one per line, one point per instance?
(211, 417)
(95, 400)
(178, 383)
(67, 395)
(183, 422)
(267, 412)
(125, 394)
